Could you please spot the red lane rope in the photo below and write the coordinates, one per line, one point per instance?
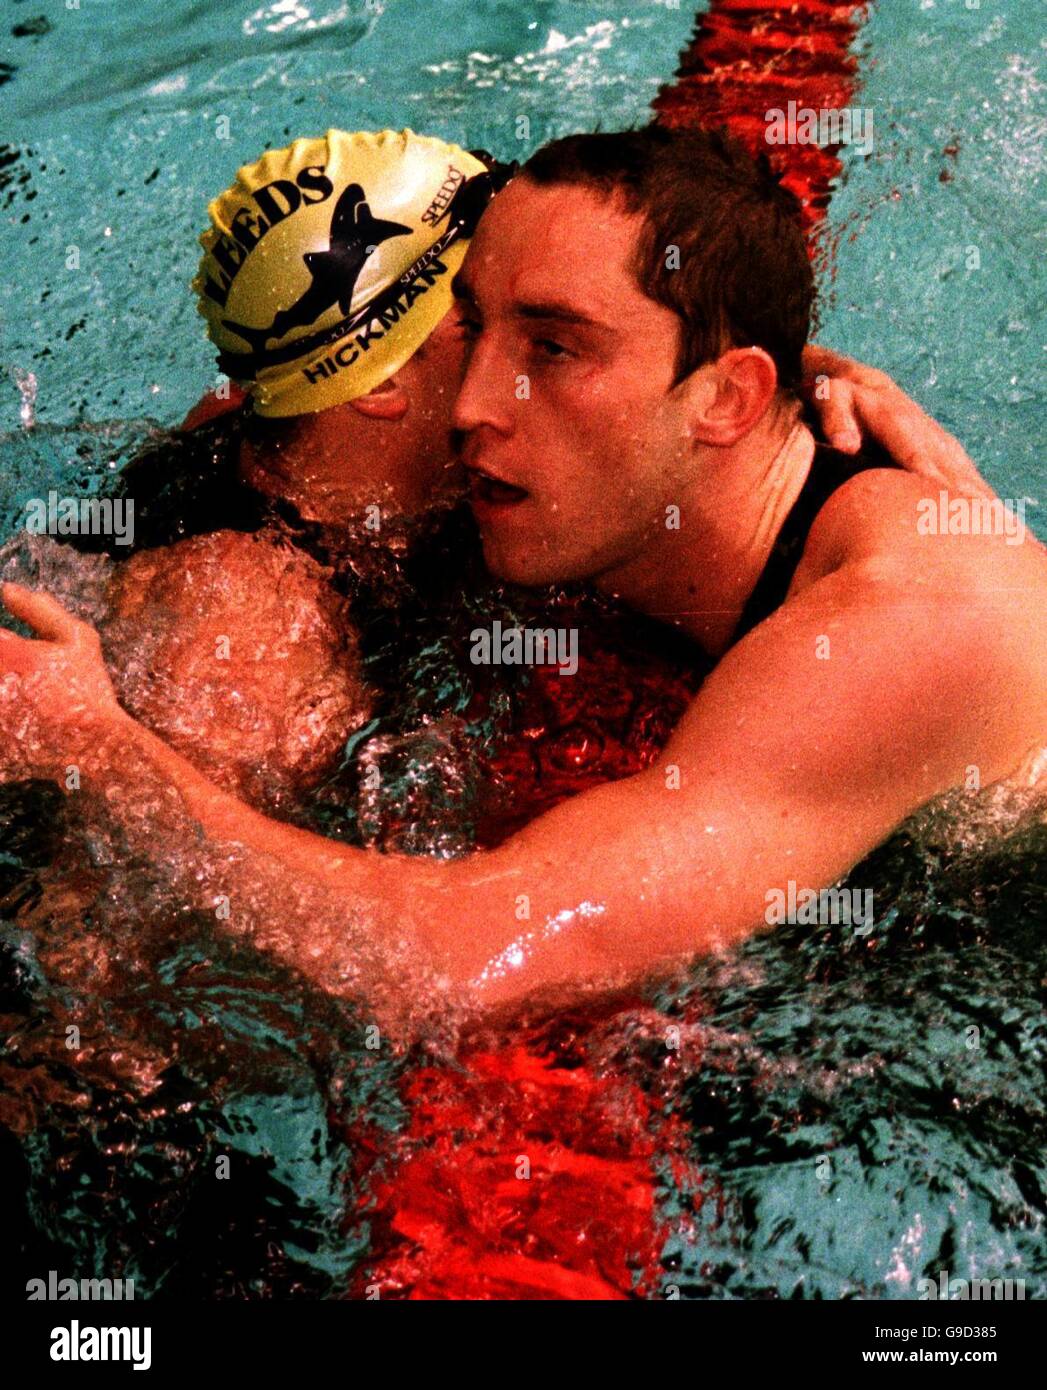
(526, 1174)
(528, 1170)
(750, 57)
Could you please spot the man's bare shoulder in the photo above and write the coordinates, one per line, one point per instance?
(903, 528)
(898, 658)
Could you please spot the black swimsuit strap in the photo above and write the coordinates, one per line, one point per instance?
(829, 471)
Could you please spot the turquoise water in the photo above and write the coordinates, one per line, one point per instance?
(802, 1050)
(967, 340)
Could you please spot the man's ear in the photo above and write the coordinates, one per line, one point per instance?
(386, 402)
(732, 395)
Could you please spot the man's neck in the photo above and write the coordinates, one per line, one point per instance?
(699, 577)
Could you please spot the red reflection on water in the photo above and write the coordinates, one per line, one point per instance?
(527, 1174)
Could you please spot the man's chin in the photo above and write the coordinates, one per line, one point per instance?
(528, 569)
(510, 572)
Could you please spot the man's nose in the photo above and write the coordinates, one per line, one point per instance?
(486, 393)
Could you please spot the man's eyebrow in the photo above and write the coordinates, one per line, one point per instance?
(549, 310)
(559, 311)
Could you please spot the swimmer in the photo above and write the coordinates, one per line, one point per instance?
(863, 665)
(339, 471)
(347, 431)
(340, 408)
(337, 440)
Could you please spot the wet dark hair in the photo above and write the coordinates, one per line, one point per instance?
(744, 276)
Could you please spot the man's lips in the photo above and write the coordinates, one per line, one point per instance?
(490, 491)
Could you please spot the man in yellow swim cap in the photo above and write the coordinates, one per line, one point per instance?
(326, 286)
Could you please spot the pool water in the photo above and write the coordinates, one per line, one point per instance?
(820, 1114)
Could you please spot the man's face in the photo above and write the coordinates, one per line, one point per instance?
(573, 436)
(336, 462)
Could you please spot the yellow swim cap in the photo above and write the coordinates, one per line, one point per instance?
(327, 264)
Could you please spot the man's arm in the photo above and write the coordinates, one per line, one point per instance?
(857, 702)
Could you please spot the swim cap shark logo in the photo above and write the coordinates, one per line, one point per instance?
(355, 235)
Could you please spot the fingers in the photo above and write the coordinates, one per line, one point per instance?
(44, 614)
(817, 360)
(863, 401)
(838, 417)
(894, 431)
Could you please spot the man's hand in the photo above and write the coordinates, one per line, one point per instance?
(863, 402)
(56, 697)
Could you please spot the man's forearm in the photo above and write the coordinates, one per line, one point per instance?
(225, 818)
(346, 918)
(468, 922)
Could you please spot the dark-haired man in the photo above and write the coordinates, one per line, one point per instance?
(638, 306)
